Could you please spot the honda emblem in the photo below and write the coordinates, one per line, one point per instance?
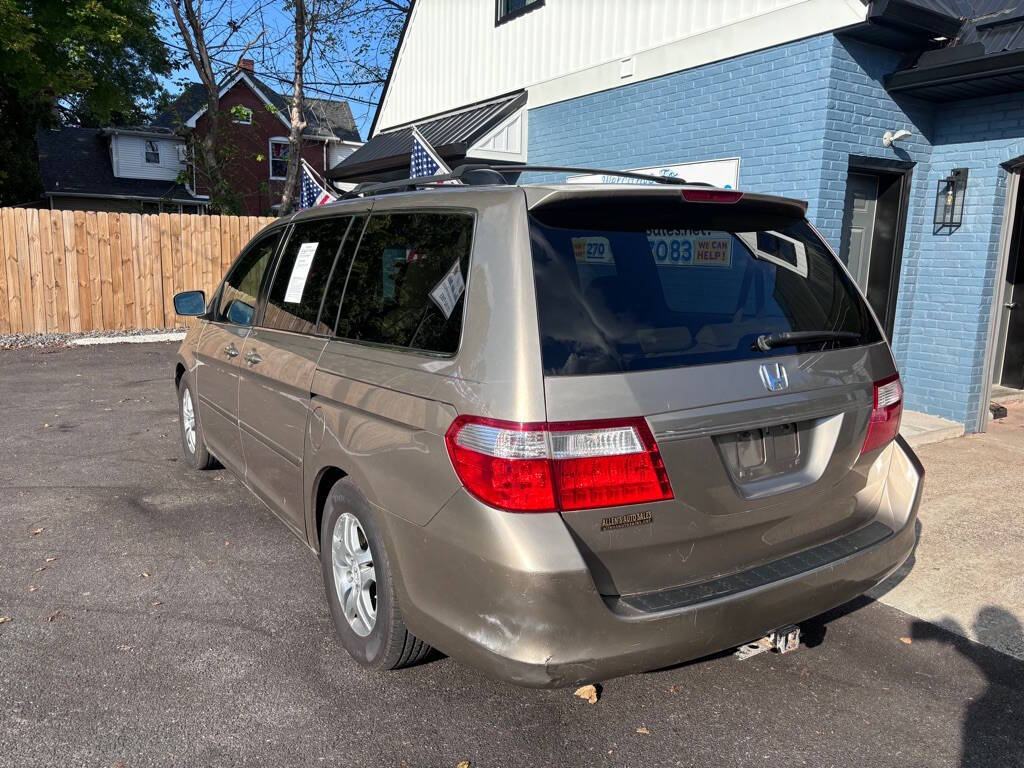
(774, 378)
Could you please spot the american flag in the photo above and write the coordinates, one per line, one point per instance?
(424, 161)
(311, 192)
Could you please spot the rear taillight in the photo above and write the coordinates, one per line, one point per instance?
(543, 467)
(885, 414)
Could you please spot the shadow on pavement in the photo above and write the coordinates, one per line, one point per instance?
(993, 727)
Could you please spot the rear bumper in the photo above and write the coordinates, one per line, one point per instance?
(511, 594)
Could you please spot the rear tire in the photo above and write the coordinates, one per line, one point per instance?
(192, 442)
(359, 586)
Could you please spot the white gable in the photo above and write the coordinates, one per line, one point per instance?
(454, 54)
(128, 157)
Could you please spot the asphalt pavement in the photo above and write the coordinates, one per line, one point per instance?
(159, 616)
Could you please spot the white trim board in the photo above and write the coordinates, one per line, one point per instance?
(785, 25)
(228, 85)
(507, 141)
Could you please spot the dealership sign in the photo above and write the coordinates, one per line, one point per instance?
(719, 173)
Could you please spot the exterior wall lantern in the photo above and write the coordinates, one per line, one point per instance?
(949, 201)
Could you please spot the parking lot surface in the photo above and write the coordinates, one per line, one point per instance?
(159, 616)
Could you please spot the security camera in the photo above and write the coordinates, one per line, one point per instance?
(890, 138)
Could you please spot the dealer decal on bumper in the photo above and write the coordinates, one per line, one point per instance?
(625, 521)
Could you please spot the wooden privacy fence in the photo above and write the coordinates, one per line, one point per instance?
(85, 271)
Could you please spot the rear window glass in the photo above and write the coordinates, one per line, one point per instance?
(406, 286)
(642, 298)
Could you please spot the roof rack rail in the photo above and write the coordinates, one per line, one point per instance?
(526, 168)
(479, 174)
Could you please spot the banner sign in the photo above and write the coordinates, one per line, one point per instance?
(719, 173)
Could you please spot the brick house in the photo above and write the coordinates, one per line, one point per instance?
(142, 168)
(254, 124)
(900, 122)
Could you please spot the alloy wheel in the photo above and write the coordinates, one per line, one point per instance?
(188, 420)
(355, 578)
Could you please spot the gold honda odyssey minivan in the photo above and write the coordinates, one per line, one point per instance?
(560, 432)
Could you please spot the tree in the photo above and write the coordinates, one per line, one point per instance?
(209, 41)
(315, 26)
(72, 62)
(305, 28)
(342, 49)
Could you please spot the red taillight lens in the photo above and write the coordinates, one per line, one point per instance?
(570, 465)
(711, 196)
(885, 414)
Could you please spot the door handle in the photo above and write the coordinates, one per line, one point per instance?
(252, 358)
(230, 350)
(1011, 305)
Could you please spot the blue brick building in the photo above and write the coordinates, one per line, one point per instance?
(805, 102)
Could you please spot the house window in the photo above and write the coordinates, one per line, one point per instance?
(241, 115)
(152, 151)
(509, 9)
(278, 158)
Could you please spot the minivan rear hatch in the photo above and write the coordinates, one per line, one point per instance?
(726, 323)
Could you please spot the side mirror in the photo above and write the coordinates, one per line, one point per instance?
(239, 312)
(190, 303)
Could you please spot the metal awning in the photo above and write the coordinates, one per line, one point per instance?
(452, 135)
(985, 58)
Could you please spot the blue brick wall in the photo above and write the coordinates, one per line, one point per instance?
(767, 108)
(794, 115)
(955, 273)
(946, 282)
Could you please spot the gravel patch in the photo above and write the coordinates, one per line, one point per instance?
(29, 340)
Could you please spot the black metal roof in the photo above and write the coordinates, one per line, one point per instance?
(191, 100)
(907, 25)
(985, 57)
(451, 135)
(997, 24)
(76, 161)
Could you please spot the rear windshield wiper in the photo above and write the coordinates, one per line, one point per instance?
(767, 341)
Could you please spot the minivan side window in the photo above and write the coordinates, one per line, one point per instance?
(293, 301)
(406, 284)
(241, 287)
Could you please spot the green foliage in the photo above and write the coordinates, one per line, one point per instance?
(240, 113)
(77, 62)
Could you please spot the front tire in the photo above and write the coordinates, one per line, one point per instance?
(192, 442)
(359, 586)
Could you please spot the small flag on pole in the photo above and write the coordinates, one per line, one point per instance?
(425, 161)
(311, 191)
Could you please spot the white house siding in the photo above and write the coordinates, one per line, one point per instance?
(453, 54)
(336, 152)
(129, 156)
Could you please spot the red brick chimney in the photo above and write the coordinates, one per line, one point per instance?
(246, 64)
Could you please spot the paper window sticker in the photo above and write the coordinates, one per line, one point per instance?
(300, 272)
(447, 292)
